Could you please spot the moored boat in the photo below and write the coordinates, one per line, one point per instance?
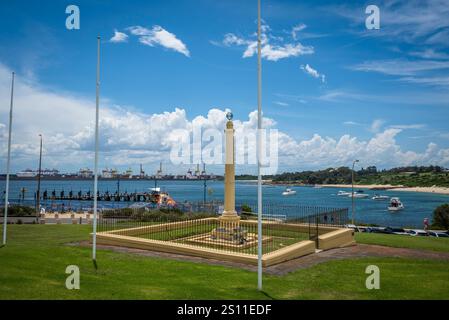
(288, 192)
(395, 204)
(380, 197)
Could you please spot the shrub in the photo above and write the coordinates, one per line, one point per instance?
(20, 211)
(441, 217)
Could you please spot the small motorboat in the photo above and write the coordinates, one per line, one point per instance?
(358, 195)
(395, 205)
(343, 193)
(288, 192)
(380, 197)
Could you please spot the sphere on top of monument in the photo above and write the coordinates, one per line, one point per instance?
(229, 116)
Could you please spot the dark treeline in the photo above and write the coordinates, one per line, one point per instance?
(343, 175)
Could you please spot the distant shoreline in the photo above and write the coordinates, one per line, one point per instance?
(434, 189)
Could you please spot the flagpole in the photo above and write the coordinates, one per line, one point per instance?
(8, 162)
(97, 102)
(259, 147)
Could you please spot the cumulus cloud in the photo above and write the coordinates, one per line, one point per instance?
(128, 138)
(312, 72)
(119, 37)
(273, 48)
(158, 36)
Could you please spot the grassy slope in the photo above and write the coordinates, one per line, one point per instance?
(398, 241)
(33, 265)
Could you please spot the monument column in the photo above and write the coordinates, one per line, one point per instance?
(229, 214)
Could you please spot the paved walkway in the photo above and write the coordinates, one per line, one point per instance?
(355, 251)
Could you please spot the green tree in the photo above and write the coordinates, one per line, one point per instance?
(441, 217)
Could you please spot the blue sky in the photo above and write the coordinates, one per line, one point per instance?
(334, 89)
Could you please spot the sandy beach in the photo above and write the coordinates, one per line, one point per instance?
(434, 189)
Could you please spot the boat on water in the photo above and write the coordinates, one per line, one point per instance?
(288, 192)
(317, 186)
(380, 197)
(343, 193)
(161, 197)
(358, 195)
(395, 204)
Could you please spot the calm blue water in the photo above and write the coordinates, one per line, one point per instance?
(417, 205)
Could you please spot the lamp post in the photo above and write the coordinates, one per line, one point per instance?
(38, 193)
(352, 194)
(8, 162)
(259, 148)
(97, 112)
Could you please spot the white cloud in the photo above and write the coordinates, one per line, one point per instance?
(128, 138)
(429, 81)
(408, 126)
(412, 21)
(119, 37)
(351, 123)
(159, 36)
(273, 48)
(430, 54)
(297, 29)
(376, 125)
(314, 73)
(401, 67)
(231, 39)
(381, 150)
(280, 103)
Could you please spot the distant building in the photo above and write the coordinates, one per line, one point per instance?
(85, 173)
(129, 173)
(108, 174)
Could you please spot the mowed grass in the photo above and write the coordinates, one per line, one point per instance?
(403, 241)
(34, 261)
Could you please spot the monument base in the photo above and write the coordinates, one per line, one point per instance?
(229, 219)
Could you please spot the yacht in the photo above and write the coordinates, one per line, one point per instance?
(395, 205)
(343, 193)
(288, 192)
(380, 197)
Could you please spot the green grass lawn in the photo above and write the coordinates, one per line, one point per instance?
(399, 241)
(34, 261)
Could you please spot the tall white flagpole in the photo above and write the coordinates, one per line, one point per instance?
(8, 161)
(259, 149)
(97, 107)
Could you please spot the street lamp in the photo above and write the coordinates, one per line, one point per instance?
(38, 193)
(352, 194)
